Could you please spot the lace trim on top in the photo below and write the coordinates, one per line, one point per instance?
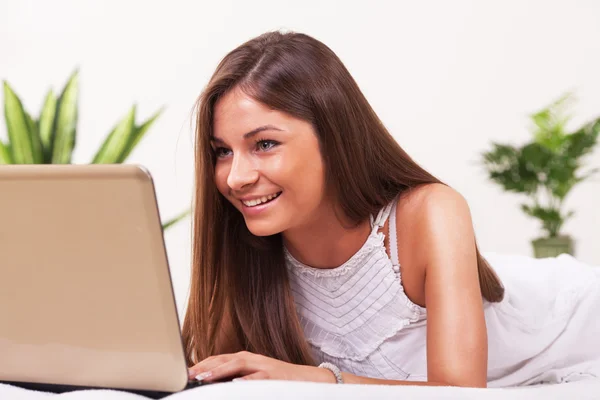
(349, 311)
(375, 239)
(372, 242)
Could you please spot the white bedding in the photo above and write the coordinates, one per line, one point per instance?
(280, 390)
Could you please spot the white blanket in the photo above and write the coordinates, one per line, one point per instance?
(280, 390)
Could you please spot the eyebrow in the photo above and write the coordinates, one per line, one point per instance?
(250, 134)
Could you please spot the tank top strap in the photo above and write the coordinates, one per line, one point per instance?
(377, 223)
(393, 237)
(382, 216)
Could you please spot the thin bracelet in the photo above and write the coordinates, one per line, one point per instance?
(334, 369)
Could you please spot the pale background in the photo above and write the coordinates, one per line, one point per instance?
(446, 77)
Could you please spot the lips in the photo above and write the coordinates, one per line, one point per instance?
(260, 200)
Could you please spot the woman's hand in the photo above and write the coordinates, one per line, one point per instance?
(247, 366)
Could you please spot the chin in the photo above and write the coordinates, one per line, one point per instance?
(263, 229)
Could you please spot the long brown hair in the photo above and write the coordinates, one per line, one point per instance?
(239, 281)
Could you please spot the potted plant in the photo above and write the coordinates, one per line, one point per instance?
(545, 170)
(51, 138)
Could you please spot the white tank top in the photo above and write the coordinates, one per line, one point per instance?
(357, 316)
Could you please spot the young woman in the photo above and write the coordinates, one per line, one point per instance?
(322, 252)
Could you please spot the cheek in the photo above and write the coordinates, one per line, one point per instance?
(306, 179)
(313, 182)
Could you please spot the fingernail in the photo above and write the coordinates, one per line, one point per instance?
(203, 375)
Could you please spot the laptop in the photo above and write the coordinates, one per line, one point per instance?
(86, 298)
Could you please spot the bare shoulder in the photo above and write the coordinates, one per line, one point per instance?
(433, 199)
(431, 221)
(432, 212)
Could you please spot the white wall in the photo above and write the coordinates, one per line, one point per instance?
(445, 77)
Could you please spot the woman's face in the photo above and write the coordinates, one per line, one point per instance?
(268, 166)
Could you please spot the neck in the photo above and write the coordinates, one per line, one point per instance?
(325, 242)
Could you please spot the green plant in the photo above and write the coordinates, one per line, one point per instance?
(547, 168)
(51, 138)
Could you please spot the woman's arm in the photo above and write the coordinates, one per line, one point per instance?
(443, 251)
(443, 265)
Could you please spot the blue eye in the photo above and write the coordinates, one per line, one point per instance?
(221, 152)
(266, 144)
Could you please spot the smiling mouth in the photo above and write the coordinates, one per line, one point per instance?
(262, 200)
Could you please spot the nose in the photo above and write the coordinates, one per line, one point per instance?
(242, 173)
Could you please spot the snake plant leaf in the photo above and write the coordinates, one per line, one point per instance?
(65, 124)
(5, 156)
(175, 220)
(17, 127)
(36, 143)
(46, 124)
(117, 141)
(138, 134)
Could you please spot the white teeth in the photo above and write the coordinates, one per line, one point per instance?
(264, 199)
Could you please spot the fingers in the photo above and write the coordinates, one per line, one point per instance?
(237, 367)
(208, 364)
(225, 366)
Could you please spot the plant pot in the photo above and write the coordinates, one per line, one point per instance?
(552, 246)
